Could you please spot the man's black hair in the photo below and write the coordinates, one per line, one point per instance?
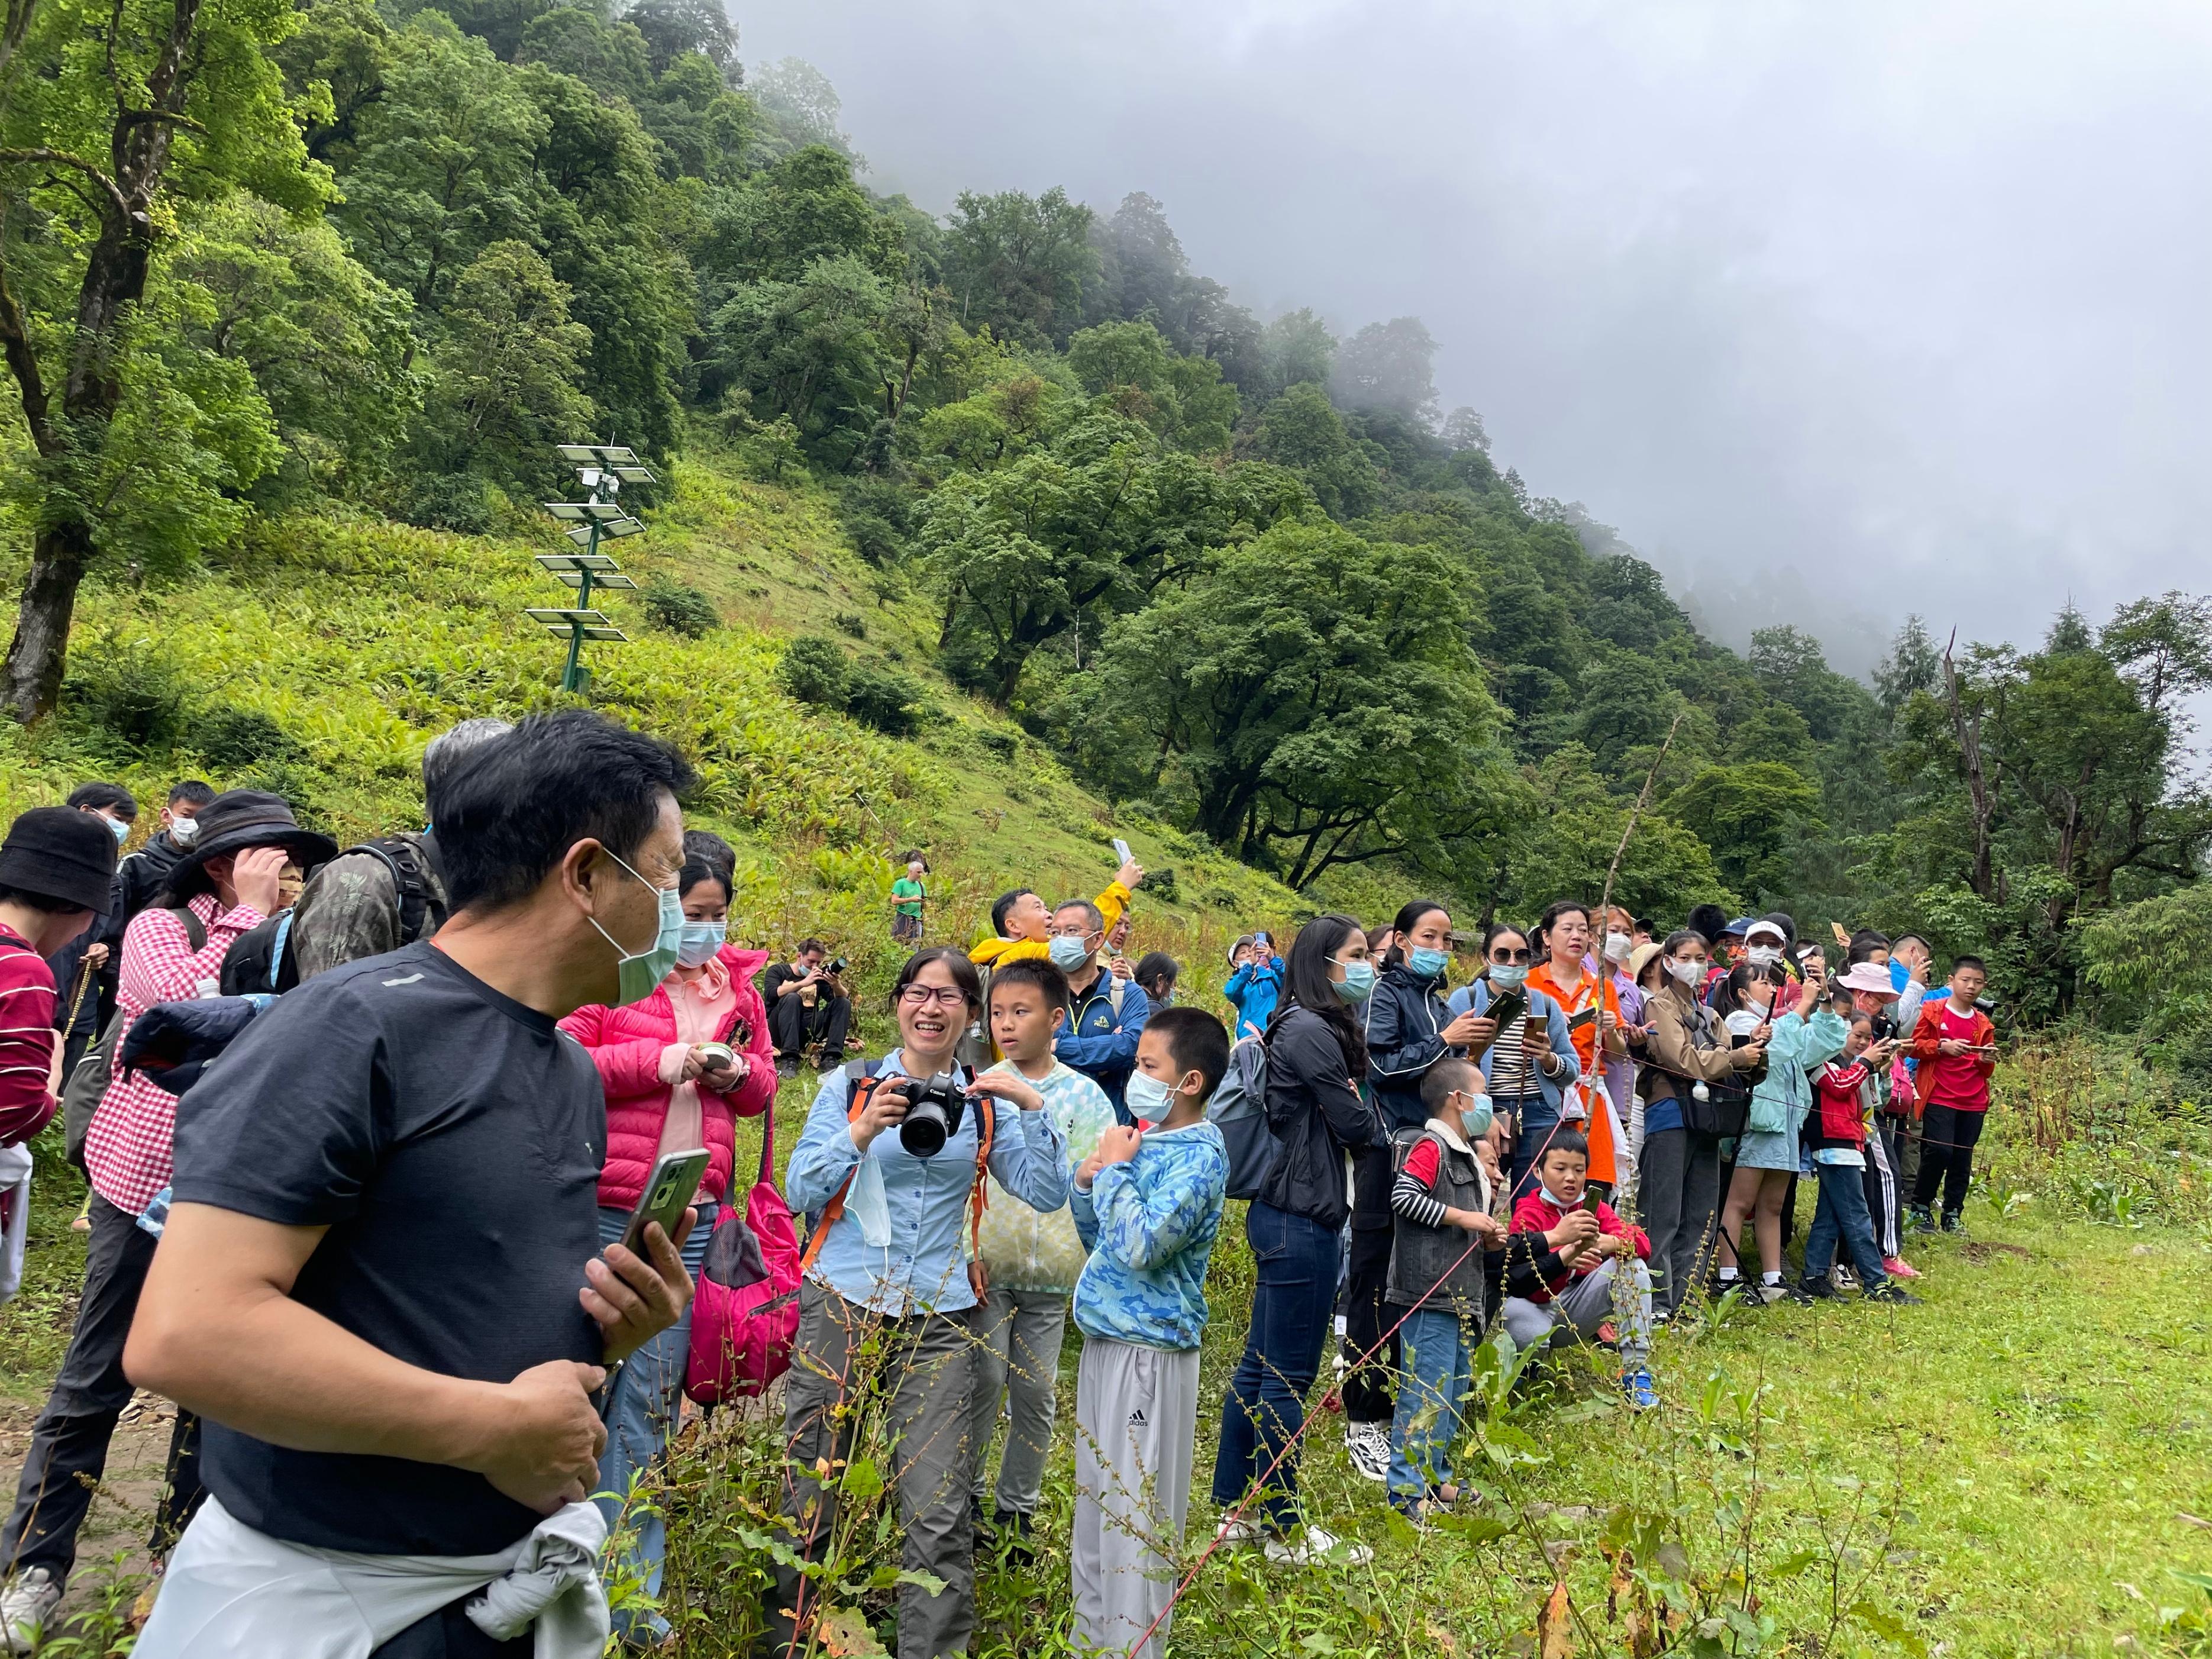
(193, 791)
(1865, 944)
(1447, 1076)
(1005, 902)
(106, 796)
(1708, 921)
(507, 818)
(1968, 959)
(1097, 916)
(1034, 971)
(453, 752)
(1197, 1041)
(1915, 938)
(1563, 1140)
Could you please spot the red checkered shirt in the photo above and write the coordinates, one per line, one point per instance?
(128, 1149)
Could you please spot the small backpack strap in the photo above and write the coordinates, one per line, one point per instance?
(987, 1125)
(195, 929)
(860, 1078)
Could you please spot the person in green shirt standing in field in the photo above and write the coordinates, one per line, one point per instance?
(908, 896)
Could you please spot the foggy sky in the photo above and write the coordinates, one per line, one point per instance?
(1831, 310)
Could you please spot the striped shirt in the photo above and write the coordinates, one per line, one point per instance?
(27, 1041)
(1509, 1077)
(127, 1149)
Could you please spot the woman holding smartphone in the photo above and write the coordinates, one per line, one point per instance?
(1530, 1064)
(679, 1069)
(883, 1312)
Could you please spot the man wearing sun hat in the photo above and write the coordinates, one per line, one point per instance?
(172, 952)
(56, 867)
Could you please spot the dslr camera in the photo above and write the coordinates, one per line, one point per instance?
(934, 1106)
(834, 967)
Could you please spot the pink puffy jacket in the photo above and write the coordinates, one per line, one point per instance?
(626, 1045)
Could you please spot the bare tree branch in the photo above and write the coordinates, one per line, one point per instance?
(62, 158)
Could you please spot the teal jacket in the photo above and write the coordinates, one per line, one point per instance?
(1797, 1048)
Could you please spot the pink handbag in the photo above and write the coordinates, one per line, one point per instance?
(744, 1308)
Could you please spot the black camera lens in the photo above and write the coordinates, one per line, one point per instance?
(933, 1114)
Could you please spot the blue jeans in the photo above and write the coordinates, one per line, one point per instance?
(1843, 1210)
(1298, 1262)
(1439, 1355)
(641, 1414)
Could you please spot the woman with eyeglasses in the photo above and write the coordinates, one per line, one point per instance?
(1530, 1063)
(883, 1307)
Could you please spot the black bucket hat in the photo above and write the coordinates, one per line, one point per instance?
(240, 818)
(59, 852)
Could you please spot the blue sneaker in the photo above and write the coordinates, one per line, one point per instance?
(1636, 1384)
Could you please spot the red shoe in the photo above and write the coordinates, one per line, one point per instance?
(1898, 1267)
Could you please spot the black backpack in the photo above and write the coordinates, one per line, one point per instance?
(265, 957)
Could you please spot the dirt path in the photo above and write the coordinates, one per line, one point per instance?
(122, 1511)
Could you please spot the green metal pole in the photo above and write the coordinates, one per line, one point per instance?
(569, 678)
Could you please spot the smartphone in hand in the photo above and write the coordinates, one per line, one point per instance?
(667, 1194)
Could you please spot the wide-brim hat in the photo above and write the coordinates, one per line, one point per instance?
(59, 852)
(1866, 976)
(1640, 958)
(240, 818)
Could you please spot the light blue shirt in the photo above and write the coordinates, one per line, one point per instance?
(924, 1267)
(1151, 1223)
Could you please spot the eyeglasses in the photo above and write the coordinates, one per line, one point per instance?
(945, 996)
(1507, 958)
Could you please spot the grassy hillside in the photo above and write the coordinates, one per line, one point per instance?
(319, 656)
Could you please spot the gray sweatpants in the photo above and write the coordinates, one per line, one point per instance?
(1580, 1309)
(1018, 1336)
(1136, 1429)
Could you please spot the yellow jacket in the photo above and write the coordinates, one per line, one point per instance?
(990, 952)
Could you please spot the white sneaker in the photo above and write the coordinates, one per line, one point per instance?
(1316, 1548)
(1232, 1534)
(26, 1607)
(1368, 1447)
(1842, 1278)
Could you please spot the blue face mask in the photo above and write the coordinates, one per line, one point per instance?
(1474, 1117)
(1508, 976)
(1358, 981)
(1068, 951)
(1429, 964)
(122, 831)
(641, 973)
(1148, 1097)
(701, 940)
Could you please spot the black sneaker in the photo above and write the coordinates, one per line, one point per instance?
(980, 1521)
(1919, 1219)
(1896, 1295)
(1816, 1290)
(1952, 1224)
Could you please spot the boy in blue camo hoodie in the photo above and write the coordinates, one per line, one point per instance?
(1147, 1203)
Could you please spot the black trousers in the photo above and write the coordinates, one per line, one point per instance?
(1947, 1156)
(1367, 1393)
(68, 1443)
(793, 1027)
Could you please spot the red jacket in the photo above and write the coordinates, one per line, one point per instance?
(1537, 1215)
(1842, 1121)
(1958, 1081)
(626, 1045)
(27, 1041)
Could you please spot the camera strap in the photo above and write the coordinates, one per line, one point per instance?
(863, 1078)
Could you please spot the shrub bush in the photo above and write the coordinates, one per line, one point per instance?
(892, 702)
(128, 700)
(679, 607)
(240, 739)
(814, 670)
(449, 500)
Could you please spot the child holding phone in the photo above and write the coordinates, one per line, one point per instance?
(1592, 1246)
(1956, 1046)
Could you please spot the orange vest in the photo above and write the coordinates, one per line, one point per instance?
(1591, 1091)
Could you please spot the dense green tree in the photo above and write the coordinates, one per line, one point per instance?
(1184, 399)
(1017, 264)
(1303, 432)
(780, 221)
(1747, 814)
(1317, 692)
(1389, 366)
(117, 119)
(673, 28)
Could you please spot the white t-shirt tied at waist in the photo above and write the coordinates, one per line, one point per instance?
(234, 1592)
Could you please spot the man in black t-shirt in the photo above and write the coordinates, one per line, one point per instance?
(380, 1281)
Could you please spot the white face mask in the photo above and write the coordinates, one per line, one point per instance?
(1763, 956)
(1688, 973)
(1616, 947)
(1743, 1022)
(1148, 1097)
(183, 831)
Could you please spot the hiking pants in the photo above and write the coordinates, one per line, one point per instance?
(1018, 1337)
(1680, 1194)
(1136, 1437)
(68, 1443)
(1947, 1156)
(916, 1385)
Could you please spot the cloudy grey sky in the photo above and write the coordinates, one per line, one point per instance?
(1832, 310)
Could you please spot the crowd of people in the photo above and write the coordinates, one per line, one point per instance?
(373, 1138)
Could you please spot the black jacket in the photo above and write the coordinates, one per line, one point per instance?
(138, 878)
(1404, 1017)
(1318, 1116)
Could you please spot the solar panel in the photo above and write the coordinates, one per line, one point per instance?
(585, 512)
(612, 580)
(554, 618)
(597, 454)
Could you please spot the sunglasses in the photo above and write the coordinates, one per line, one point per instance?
(1506, 958)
